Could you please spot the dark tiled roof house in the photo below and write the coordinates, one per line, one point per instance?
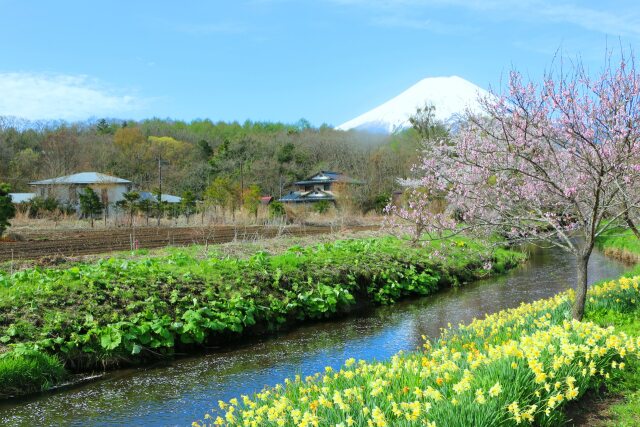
(320, 186)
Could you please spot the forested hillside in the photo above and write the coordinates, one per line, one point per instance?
(202, 154)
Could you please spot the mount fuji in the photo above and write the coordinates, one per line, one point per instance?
(451, 97)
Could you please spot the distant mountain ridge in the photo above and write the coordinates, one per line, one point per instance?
(451, 97)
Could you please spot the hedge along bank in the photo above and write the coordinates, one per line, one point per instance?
(515, 367)
(117, 311)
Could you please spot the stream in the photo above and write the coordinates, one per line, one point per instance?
(182, 391)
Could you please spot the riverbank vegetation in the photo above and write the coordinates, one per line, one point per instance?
(515, 367)
(620, 244)
(120, 311)
(625, 391)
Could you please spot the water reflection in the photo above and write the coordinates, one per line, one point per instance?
(182, 391)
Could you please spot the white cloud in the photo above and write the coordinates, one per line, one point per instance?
(36, 96)
(613, 20)
(618, 23)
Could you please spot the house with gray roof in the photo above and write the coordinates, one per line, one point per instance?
(167, 198)
(66, 189)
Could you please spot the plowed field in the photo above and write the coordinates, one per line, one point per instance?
(85, 242)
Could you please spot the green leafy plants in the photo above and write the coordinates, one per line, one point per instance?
(276, 210)
(123, 311)
(322, 206)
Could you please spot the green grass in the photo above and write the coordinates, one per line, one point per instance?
(619, 241)
(627, 384)
(619, 238)
(119, 311)
(28, 373)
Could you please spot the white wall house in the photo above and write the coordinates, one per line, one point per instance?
(66, 189)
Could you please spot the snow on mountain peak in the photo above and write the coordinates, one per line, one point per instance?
(450, 96)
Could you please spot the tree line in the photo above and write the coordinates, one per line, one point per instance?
(222, 162)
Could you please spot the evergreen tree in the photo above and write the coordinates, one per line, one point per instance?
(145, 206)
(90, 204)
(158, 204)
(104, 128)
(188, 204)
(277, 210)
(205, 148)
(7, 209)
(130, 204)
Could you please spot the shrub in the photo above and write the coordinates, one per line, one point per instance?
(276, 210)
(39, 205)
(322, 206)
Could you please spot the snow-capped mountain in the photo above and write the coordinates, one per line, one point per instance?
(450, 96)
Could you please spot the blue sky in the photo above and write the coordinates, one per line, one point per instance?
(279, 60)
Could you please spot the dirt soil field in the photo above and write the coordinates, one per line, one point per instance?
(70, 243)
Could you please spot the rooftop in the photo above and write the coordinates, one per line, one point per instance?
(83, 178)
(146, 195)
(307, 196)
(328, 176)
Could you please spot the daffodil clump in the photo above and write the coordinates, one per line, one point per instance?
(620, 295)
(515, 367)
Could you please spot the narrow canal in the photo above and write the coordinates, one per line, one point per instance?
(181, 392)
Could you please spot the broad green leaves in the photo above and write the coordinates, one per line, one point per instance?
(119, 311)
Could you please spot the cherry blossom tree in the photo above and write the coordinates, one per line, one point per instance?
(554, 163)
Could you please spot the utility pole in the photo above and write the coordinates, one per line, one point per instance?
(159, 188)
(160, 164)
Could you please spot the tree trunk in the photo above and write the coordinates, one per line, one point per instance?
(628, 220)
(241, 185)
(581, 286)
(632, 225)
